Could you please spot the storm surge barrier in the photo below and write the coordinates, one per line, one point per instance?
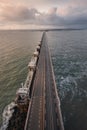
(44, 111)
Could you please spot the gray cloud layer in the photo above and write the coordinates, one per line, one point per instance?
(24, 15)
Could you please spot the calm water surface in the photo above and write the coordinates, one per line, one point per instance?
(16, 49)
(69, 56)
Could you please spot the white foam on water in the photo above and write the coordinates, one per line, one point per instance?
(7, 114)
(68, 84)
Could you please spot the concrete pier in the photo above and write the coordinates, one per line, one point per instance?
(44, 111)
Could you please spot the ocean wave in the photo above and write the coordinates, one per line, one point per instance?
(67, 85)
(73, 86)
(7, 114)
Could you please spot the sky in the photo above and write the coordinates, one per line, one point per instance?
(35, 14)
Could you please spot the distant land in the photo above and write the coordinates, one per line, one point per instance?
(53, 29)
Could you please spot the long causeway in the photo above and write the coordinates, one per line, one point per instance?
(44, 111)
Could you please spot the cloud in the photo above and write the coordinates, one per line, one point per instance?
(19, 13)
(4, 1)
(70, 16)
(52, 10)
(55, 16)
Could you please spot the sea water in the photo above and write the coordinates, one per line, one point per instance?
(16, 50)
(69, 56)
